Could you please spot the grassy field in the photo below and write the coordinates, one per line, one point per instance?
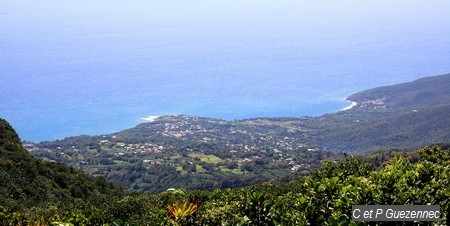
(234, 171)
(206, 158)
(120, 144)
(181, 170)
(199, 169)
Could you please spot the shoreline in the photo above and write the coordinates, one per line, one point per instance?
(150, 118)
(353, 104)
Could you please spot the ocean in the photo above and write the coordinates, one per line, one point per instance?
(94, 67)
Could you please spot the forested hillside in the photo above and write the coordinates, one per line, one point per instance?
(26, 181)
(403, 130)
(419, 94)
(404, 116)
(323, 198)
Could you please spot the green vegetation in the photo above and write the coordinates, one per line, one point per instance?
(274, 171)
(36, 192)
(199, 160)
(323, 198)
(423, 93)
(171, 151)
(207, 158)
(26, 181)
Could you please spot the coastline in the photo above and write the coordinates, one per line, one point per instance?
(353, 104)
(150, 118)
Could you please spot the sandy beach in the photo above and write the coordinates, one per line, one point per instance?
(150, 118)
(353, 104)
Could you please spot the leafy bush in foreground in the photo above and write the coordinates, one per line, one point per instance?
(323, 198)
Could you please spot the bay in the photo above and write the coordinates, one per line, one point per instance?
(93, 67)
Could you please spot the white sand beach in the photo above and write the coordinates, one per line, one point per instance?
(150, 118)
(353, 104)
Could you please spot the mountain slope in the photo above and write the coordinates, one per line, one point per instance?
(403, 130)
(26, 181)
(408, 115)
(419, 94)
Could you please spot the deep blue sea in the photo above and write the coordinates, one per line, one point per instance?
(97, 66)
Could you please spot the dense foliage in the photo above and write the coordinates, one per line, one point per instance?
(323, 198)
(382, 130)
(26, 181)
(423, 93)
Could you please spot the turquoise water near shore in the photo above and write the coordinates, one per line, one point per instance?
(82, 67)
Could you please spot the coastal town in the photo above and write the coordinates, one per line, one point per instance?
(189, 145)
